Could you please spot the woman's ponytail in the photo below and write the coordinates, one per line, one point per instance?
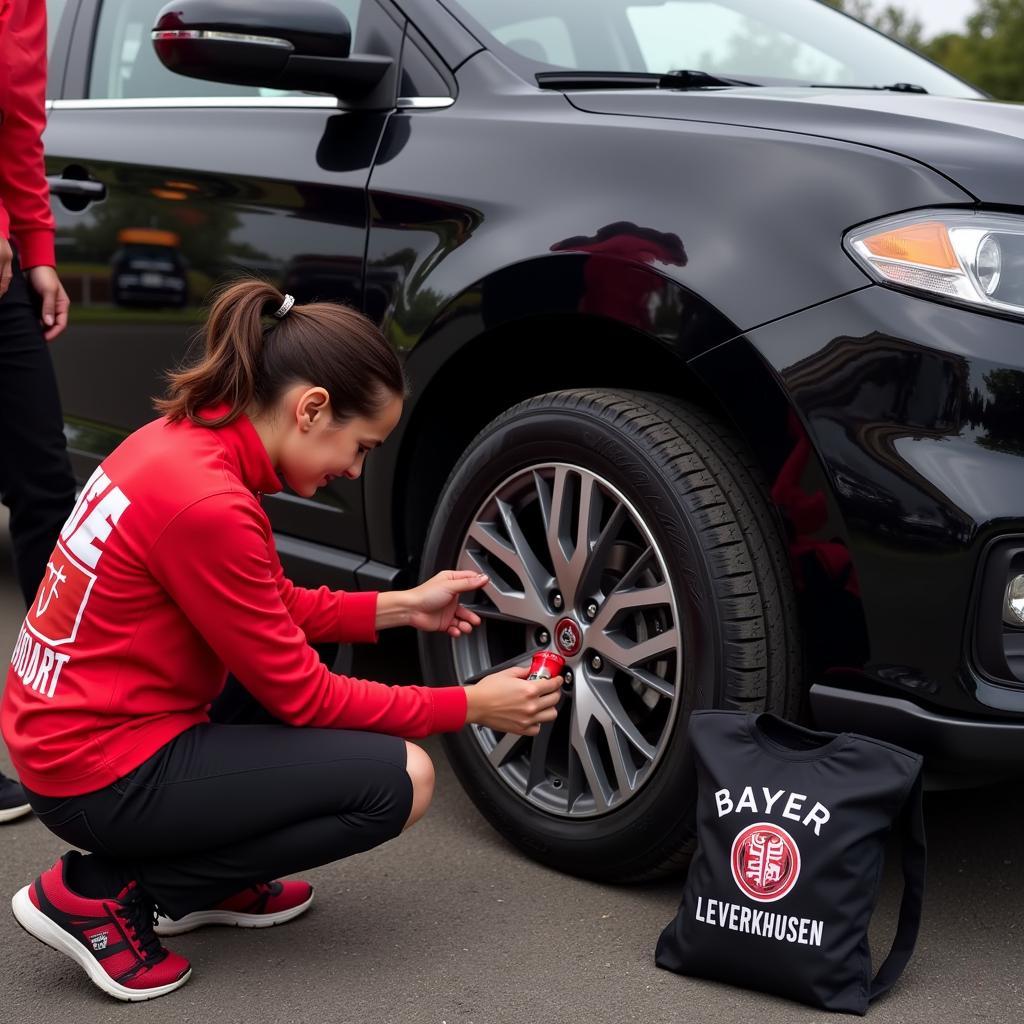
(232, 367)
(249, 358)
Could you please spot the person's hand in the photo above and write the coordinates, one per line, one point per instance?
(54, 314)
(6, 265)
(509, 702)
(434, 606)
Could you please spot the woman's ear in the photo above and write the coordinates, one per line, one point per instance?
(314, 403)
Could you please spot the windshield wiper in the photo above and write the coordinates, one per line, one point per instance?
(632, 80)
(895, 87)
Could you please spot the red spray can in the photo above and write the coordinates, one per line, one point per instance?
(546, 665)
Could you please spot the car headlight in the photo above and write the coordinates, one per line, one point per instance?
(976, 258)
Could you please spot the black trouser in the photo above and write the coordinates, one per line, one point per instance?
(36, 482)
(222, 807)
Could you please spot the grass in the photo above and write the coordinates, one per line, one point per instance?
(190, 315)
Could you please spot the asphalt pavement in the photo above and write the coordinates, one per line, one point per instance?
(449, 924)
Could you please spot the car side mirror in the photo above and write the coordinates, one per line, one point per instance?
(299, 44)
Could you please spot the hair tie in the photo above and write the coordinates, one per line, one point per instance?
(289, 301)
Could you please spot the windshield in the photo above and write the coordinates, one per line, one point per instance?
(768, 41)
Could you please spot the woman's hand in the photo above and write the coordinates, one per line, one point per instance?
(509, 702)
(55, 302)
(435, 607)
(6, 265)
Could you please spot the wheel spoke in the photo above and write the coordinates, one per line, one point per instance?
(517, 556)
(625, 773)
(600, 705)
(576, 783)
(587, 532)
(593, 770)
(518, 605)
(541, 579)
(486, 612)
(488, 538)
(540, 485)
(616, 719)
(503, 748)
(624, 654)
(620, 600)
(631, 574)
(653, 682)
(558, 524)
(539, 755)
(660, 643)
(570, 543)
(598, 556)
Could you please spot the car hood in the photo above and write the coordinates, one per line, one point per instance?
(979, 144)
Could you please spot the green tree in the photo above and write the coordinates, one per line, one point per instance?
(890, 19)
(989, 53)
(898, 25)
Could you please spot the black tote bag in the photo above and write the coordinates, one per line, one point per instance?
(791, 832)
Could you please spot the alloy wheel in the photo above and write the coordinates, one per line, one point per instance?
(574, 568)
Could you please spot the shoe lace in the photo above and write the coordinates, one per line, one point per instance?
(139, 914)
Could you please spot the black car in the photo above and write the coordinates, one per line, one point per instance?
(713, 316)
(148, 270)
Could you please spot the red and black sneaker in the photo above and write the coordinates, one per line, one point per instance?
(259, 906)
(111, 939)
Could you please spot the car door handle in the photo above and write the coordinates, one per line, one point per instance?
(85, 191)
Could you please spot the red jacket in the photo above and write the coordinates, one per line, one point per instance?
(164, 577)
(25, 215)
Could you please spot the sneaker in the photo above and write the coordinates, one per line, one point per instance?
(260, 906)
(111, 939)
(13, 803)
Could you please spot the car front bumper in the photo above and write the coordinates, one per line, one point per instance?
(892, 430)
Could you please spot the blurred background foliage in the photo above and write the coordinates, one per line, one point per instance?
(988, 53)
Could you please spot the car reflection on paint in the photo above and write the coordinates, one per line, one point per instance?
(148, 269)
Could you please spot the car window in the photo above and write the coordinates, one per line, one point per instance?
(54, 13)
(791, 42)
(544, 39)
(716, 37)
(125, 65)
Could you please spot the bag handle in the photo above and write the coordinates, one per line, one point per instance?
(914, 858)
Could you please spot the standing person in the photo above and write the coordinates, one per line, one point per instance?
(164, 578)
(36, 482)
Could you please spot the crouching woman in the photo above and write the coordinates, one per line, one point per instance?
(164, 579)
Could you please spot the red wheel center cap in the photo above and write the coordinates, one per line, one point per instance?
(568, 637)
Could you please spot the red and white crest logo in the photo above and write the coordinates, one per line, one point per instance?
(60, 600)
(56, 613)
(765, 862)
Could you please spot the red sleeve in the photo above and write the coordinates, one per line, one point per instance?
(25, 214)
(325, 614)
(214, 560)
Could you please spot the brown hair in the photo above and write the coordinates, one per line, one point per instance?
(251, 358)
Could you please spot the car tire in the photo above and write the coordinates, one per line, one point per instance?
(677, 480)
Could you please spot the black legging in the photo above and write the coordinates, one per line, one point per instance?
(222, 807)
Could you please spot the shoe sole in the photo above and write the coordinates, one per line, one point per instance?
(40, 927)
(11, 813)
(230, 918)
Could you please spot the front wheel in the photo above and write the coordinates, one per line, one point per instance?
(630, 533)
